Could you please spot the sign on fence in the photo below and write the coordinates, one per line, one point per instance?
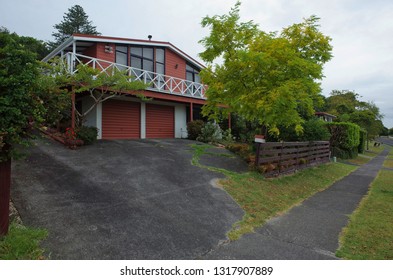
(273, 159)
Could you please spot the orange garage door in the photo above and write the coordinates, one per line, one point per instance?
(160, 121)
(121, 119)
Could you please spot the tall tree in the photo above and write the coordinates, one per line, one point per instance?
(348, 107)
(38, 47)
(74, 21)
(22, 107)
(268, 77)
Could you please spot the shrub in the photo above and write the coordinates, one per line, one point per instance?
(241, 149)
(194, 129)
(227, 136)
(344, 153)
(88, 134)
(362, 141)
(210, 133)
(315, 130)
(243, 129)
(345, 139)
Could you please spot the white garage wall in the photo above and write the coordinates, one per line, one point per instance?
(94, 117)
(180, 121)
(91, 118)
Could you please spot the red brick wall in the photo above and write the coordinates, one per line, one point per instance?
(91, 51)
(101, 54)
(171, 60)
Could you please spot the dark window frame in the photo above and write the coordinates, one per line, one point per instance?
(158, 62)
(119, 51)
(142, 57)
(193, 71)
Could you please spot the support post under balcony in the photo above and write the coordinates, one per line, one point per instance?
(73, 109)
(191, 112)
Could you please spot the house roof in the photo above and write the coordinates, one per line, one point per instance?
(325, 114)
(83, 41)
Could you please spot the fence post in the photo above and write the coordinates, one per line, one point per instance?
(5, 184)
(279, 160)
(257, 154)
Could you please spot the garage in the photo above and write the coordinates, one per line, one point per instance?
(160, 121)
(121, 120)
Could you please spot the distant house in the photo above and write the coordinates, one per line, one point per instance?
(175, 86)
(325, 116)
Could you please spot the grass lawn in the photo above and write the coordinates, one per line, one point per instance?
(22, 243)
(262, 198)
(369, 235)
(361, 159)
(368, 155)
(389, 160)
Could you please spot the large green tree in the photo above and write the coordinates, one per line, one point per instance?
(348, 107)
(22, 106)
(272, 78)
(38, 47)
(74, 21)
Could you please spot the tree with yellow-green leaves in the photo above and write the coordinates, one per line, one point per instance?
(273, 78)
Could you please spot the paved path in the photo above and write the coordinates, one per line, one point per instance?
(308, 231)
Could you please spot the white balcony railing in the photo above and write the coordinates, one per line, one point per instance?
(157, 82)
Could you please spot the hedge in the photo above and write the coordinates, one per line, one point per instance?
(345, 139)
(362, 142)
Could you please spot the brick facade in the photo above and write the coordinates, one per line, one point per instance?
(175, 66)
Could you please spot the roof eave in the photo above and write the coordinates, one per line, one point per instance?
(98, 39)
(59, 48)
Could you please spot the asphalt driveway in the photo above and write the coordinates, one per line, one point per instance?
(137, 199)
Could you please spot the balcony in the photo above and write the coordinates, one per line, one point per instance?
(156, 82)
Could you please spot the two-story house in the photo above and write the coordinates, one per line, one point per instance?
(175, 91)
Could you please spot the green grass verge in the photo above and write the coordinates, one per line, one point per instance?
(262, 198)
(361, 159)
(22, 243)
(367, 155)
(369, 234)
(389, 160)
(374, 150)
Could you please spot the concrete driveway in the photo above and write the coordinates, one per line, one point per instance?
(137, 199)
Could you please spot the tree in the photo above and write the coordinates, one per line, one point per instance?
(22, 108)
(38, 47)
(385, 131)
(348, 107)
(74, 21)
(268, 77)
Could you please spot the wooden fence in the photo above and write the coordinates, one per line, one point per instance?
(274, 159)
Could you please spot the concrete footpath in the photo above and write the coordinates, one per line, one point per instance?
(308, 231)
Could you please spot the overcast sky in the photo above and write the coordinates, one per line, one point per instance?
(361, 31)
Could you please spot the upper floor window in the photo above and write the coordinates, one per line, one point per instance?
(160, 61)
(142, 58)
(122, 55)
(192, 74)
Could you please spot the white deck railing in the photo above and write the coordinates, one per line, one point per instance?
(157, 82)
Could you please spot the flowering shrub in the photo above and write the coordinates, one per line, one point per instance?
(70, 133)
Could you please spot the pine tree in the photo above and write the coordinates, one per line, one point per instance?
(75, 21)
